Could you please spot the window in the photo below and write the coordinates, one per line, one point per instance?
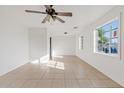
(81, 42)
(106, 38)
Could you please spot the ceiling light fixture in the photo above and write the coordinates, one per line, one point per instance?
(65, 33)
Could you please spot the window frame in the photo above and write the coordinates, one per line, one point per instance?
(118, 36)
(81, 41)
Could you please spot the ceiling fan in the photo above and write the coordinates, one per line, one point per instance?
(51, 13)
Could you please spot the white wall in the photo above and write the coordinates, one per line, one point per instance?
(63, 45)
(111, 66)
(37, 43)
(13, 41)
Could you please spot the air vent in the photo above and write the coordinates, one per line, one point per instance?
(75, 27)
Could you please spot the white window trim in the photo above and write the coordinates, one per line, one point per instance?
(119, 39)
(81, 42)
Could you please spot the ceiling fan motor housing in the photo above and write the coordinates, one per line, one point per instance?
(50, 11)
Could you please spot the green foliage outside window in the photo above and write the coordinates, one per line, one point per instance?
(103, 39)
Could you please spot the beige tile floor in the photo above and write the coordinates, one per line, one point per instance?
(62, 72)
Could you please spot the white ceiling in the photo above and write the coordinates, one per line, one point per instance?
(82, 16)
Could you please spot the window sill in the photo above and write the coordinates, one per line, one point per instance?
(111, 55)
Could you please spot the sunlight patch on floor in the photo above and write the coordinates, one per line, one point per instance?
(58, 56)
(49, 63)
(57, 65)
(41, 60)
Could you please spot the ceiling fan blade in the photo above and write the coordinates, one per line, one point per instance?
(48, 6)
(64, 14)
(54, 18)
(59, 19)
(47, 18)
(32, 11)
